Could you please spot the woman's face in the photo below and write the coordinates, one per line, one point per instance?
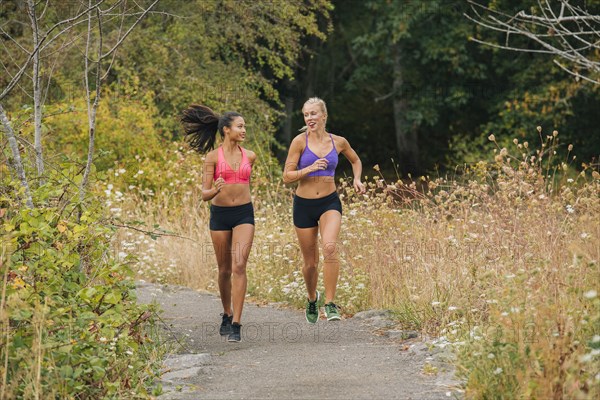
(237, 130)
(314, 118)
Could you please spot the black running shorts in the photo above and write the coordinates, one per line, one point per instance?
(227, 218)
(307, 212)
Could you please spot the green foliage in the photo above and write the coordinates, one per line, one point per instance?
(70, 323)
(124, 129)
(225, 54)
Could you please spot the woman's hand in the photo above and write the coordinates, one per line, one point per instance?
(319, 165)
(219, 183)
(359, 187)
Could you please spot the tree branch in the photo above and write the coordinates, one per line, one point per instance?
(21, 71)
(577, 42)
(129, 30)
(576, 74)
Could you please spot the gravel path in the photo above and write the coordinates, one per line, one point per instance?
(281, 356)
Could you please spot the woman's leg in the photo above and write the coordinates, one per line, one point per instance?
(241, 243)
(330, 224)
(307, 237)
(222, 245)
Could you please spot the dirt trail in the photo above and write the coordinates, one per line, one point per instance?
(281, 356)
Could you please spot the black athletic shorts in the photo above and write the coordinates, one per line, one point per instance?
(227, 218)
(307, 212)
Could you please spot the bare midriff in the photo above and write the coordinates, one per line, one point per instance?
(235, 194)
(315, 187)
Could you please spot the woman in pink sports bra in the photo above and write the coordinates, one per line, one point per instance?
(226, 183)
(311, 161)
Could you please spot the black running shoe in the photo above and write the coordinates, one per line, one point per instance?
(226, 325)
(236, 333)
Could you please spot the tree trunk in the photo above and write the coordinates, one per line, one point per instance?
(92, 107)
(17, 164)
(37, 92)
(311, 69)
(287, 126)
(406, 136)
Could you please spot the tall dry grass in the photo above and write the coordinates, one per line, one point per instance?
(500, 262)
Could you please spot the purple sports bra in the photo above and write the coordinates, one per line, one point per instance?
(307, 158)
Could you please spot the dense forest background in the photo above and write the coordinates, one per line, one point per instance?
(402, 79)
(408, 68)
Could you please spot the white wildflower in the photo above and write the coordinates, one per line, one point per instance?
(591, 294)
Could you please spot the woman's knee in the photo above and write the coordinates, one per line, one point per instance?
(330, 251)
(309, 265)
(225, 271)
(239, 268)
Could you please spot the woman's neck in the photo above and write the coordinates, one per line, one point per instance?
(230, 145)
(319, 134)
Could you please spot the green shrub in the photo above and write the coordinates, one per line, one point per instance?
(70, 326)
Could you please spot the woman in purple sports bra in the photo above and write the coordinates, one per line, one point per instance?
(225, 183)
(311, 161)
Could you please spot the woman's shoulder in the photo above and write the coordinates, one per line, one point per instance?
(299, 137)
(339, 140)
(249, 153)
(212, 155)
(299, 140)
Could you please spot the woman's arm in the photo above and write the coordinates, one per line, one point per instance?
(251, 156)
(291, 173)
(208, 191)
(351, 155)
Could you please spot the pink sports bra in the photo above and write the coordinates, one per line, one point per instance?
(230, 175)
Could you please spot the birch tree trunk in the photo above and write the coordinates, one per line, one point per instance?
(17, 164)
(37, 95)
(92, 107)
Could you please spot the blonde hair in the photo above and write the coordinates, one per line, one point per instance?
(314, 100)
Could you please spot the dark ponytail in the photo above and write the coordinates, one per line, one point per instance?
(201, 124)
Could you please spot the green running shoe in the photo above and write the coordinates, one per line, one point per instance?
(332, 313)
(312, 310)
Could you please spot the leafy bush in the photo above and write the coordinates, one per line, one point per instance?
(70, 325)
